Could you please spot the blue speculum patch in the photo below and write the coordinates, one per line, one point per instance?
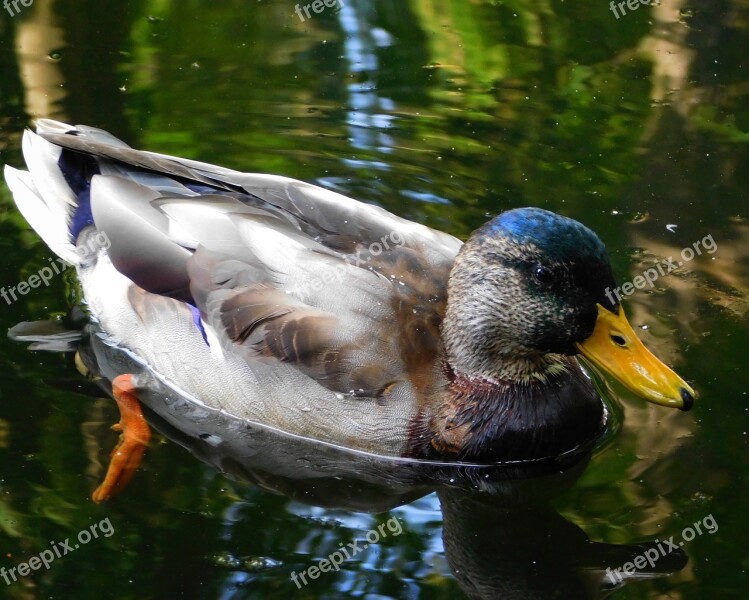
(79, 181)
(198, 323)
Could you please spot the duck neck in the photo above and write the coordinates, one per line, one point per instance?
(501, 420)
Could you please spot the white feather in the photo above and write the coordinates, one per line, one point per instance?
(45, 221)
(41, 157)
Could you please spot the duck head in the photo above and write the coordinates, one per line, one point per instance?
(530, 288)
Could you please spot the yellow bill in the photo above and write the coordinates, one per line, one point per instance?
(614, 347)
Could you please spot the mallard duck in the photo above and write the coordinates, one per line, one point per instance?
(283, 303)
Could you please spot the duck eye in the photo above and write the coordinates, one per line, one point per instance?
(543, 275)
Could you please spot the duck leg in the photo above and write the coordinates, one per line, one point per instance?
(134, 438)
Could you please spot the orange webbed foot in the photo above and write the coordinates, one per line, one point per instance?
(134, 439)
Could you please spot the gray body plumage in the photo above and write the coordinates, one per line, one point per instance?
(311, 325)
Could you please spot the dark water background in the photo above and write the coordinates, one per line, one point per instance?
(445, 112)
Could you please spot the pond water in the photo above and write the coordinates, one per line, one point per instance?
(446, 112)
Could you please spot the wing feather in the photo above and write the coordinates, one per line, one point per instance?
(347, 293)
